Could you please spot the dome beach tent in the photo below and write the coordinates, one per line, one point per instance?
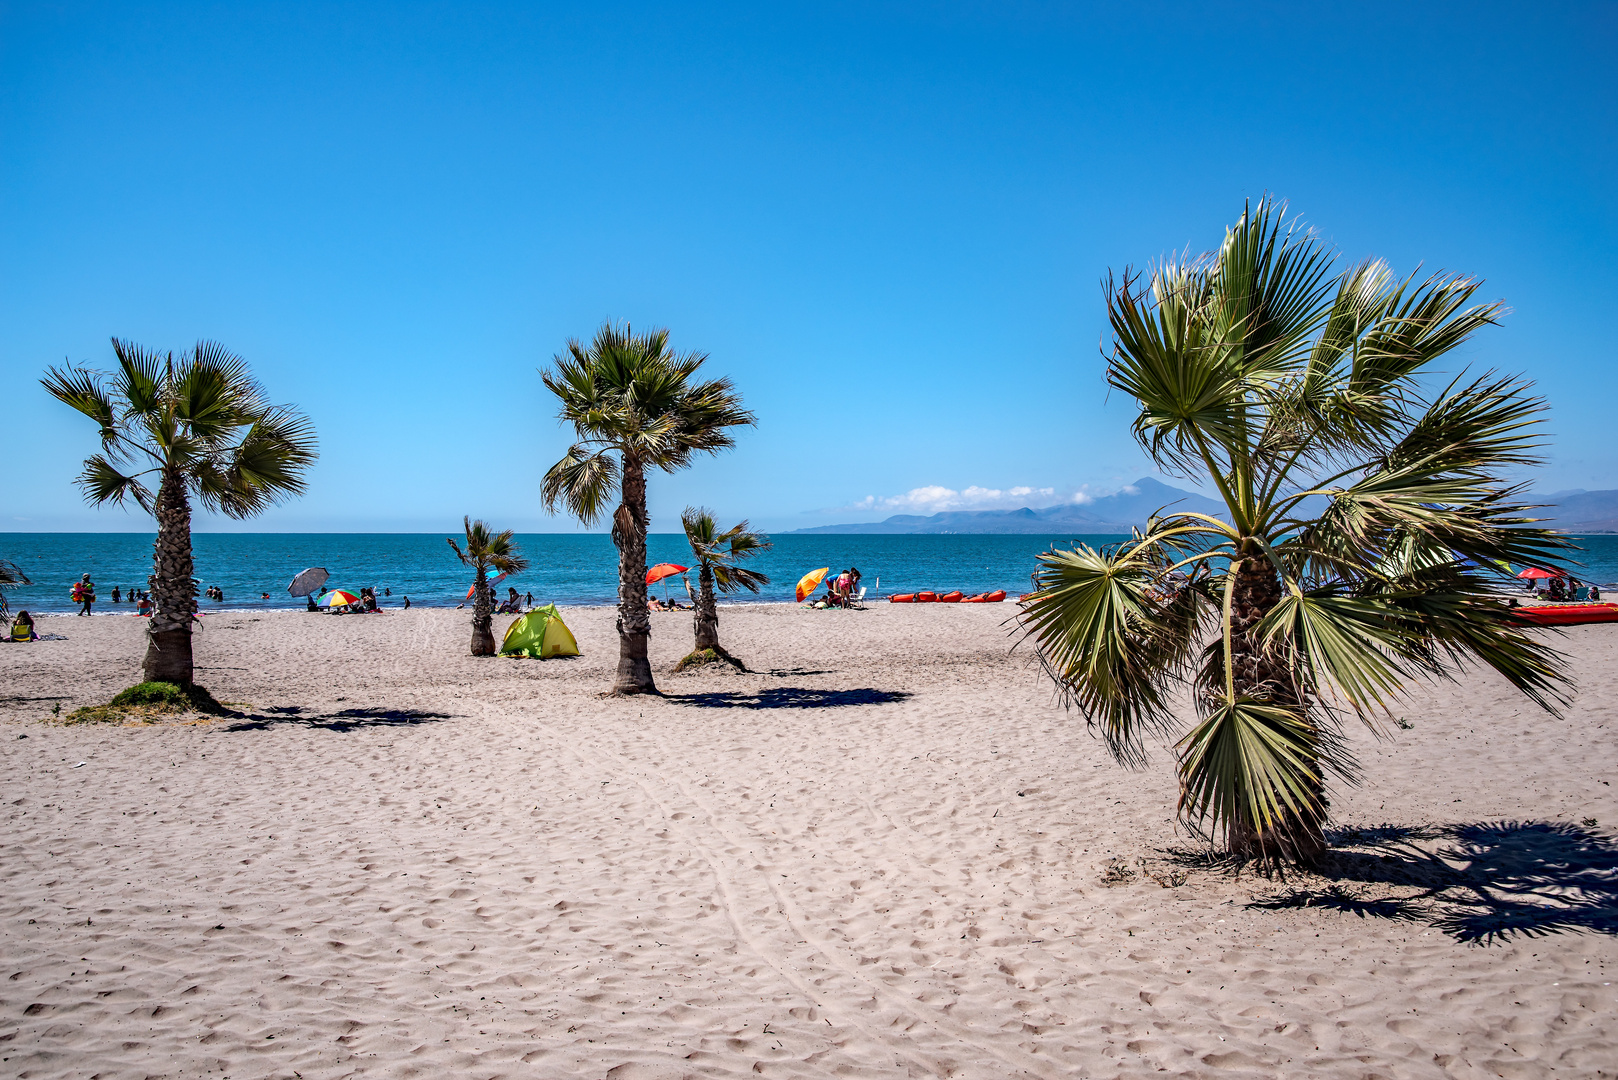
(540, 634)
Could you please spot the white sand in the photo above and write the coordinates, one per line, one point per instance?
(884, 857)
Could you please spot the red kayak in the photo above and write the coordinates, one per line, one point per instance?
(925, 597)
(903, 598)
(1568, 614)
(994, 597)
(950, 597)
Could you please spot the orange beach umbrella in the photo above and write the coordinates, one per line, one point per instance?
(664, 570)
(807, 583)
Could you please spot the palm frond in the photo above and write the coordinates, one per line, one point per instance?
(101, 482)
(581, 483)
(1252, 763)
(11, 575)
(87, 392)
(1115, 633)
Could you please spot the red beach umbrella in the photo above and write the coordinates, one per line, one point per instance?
(664, 570)
(1534, 572)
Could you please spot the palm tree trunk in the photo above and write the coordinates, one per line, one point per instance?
(1259, 673)
(634, 621)
(482, 636)
(174, 593)
(706, 619)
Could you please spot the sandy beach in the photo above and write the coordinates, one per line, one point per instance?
(888, 853)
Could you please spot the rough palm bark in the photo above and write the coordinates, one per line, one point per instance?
(629, 525)
(174, 598)
(482, 616)
(705, 619)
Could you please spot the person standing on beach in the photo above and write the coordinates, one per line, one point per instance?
(87, 595)
(407, 601)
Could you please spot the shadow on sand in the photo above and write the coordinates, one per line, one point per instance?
(789, 697)
(1481, 882)
(347, 720)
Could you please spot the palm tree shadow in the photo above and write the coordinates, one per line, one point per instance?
(790, 697)
(345, 721)
(1480, 882)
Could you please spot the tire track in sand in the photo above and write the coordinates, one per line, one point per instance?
(962, 1046)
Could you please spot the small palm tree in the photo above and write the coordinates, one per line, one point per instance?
(486, 551)
(203, 429)
(11, 576)
(718, 555)
(635, 406)
(1362, 510)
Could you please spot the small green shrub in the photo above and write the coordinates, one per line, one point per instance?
(170, 696)
(149, 701)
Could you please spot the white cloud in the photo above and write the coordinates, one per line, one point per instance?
(935, 498)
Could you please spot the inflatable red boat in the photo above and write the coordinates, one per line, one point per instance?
(1568, 614)
(953, 597)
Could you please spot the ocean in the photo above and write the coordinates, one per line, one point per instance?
(568, 568)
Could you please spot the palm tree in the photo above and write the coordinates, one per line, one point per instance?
(202, 428)
(717, 554)
(1365, 507)
(486, 551)
(634, 406)
(11, 576)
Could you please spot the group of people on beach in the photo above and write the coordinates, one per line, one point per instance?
(1569, 588)
(842, 591)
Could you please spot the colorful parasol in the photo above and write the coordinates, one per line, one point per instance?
(809, 581)
(1534, 572)
(337, 598)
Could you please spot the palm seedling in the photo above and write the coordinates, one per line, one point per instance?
(634, 406)
(718, 555)
(486, 551)
(174, 429)
(1366, 507)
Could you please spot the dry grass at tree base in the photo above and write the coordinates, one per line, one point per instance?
(707, 657)
(148, 702)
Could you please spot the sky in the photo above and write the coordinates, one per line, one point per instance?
(889, 224)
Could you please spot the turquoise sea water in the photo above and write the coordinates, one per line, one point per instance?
(567, 568)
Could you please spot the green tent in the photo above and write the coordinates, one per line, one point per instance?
(540, 634)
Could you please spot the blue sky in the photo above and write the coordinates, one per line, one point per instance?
(887, 223)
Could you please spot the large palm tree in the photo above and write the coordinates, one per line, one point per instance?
(486, 551)
(634, 406)
(174, 428)
(1366, 506)
(718, 556)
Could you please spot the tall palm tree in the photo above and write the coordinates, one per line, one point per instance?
(11, 576)
(635, 406)
(197, 426)
(486, 551)
(718, 555)
(1364, 508)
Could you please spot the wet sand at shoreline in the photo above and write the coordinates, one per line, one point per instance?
(887, 853)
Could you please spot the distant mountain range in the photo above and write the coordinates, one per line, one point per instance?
(1110, 514)
(1580, 511)
(1576, 511)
